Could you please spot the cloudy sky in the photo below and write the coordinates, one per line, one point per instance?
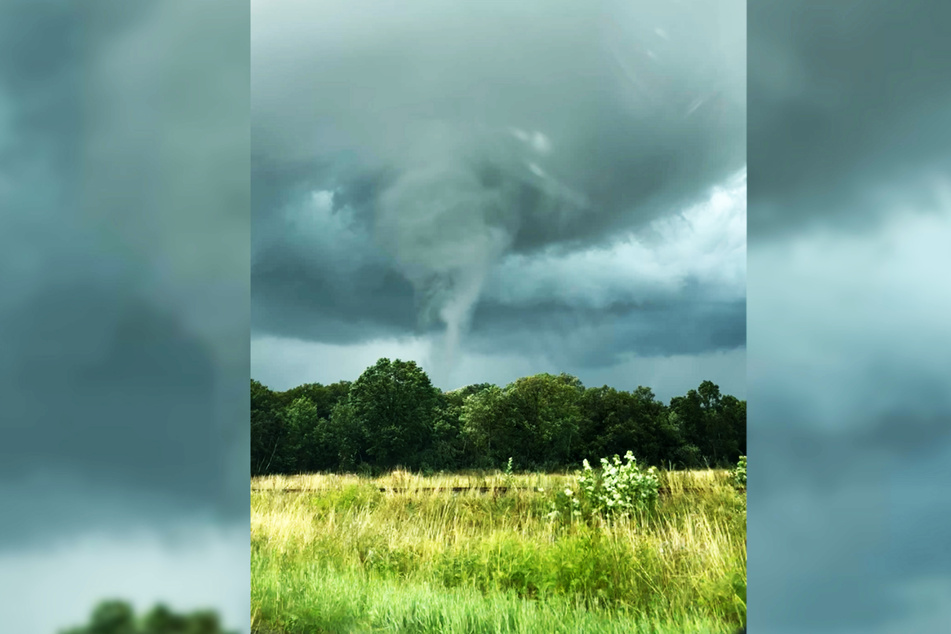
(849, 365)
(497, 190)
(123, 309)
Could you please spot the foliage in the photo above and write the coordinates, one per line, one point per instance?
(619, 489)
(393, 403)
(508, 477)
(117, 617)
(393, 416)
(739, 474)
(266, 431)
(485, 426)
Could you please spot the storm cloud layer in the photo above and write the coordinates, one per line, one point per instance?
(850, 222)
(425, 171)
(855, 99)
(112, 311)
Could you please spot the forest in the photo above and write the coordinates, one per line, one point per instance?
(393, 416)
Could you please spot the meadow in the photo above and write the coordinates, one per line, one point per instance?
(334, 553)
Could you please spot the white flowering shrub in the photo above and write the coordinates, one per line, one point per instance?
(616, 490)
(619, 489)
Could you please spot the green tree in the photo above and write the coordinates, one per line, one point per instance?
(324, 397)
(117, 617)
(651, 436)
(267, 429)
(394, 403)
(690, 420)
(487, 426)
(546, 415)
(733, 422)
(346, 436)
(713, 425)
(740, 425)
(720, 442)
(615, 422)
(392, 415)
(446, 449)
(302, 436)
(598, 407)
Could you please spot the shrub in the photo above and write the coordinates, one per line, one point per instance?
(619, 489)
(739, 474)
(616, 490)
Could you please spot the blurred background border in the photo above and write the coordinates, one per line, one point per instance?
(124, 304)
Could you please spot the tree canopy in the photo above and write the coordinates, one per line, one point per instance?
(118, 617)
(393, 416)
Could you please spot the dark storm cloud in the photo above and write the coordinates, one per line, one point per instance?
(592, 338)
(851, 420)
(110, 387)
(850, 219)
(120, 312)
(295, 298)
(308, 305)
(840, 521)
(845, 98)
(446, 137)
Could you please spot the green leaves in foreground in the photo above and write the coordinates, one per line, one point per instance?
(616, 490)
(739, 474)
(117, 617)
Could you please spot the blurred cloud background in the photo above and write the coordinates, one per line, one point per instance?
(849, 359)
(124, 294)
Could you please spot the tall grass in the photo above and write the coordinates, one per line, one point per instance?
(340, 556)
(703, 478)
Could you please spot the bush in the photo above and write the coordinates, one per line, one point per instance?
(619, 489)
(739, 474)
(616, 490)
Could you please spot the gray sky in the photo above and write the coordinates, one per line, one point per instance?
(123, 308)
(500, 190)
(849, 224)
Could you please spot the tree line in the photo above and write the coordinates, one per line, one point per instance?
(118, 617)
(392, 416)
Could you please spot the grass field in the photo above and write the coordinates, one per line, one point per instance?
(332, 553)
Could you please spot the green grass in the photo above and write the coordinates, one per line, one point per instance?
(348, 558)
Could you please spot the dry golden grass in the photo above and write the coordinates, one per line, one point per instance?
(674, 480)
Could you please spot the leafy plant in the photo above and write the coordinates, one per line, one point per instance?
(619, 489)
(508, 479)
(616, 490)
(739, 474)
